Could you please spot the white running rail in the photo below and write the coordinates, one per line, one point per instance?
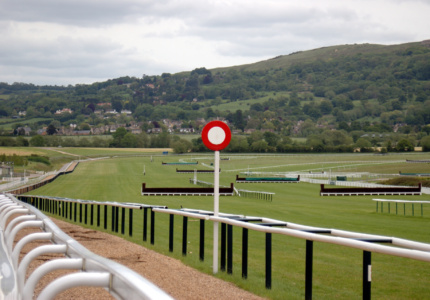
(92, 270)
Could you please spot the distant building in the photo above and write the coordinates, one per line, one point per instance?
(63, 111)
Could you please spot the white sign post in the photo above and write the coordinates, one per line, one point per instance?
(216, 136)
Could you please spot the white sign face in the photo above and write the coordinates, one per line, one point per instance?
(216, 135)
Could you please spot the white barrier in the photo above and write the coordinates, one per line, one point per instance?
(118, 280)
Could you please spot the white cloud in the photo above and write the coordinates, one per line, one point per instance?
(77, 41)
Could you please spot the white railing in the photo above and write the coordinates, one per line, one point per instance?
(95, 270)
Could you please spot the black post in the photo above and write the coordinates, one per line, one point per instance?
(184, 235)
(245, 252)
(223, 246)
(268, 260)
(105, 217)
(130, 222)
(202, 240)
(70, 210)
(80, 212)
(145, 223)
(152, 227)
(308, 273)
(92, 214)
(123, 220)
(86, 213)
(113, 219)
(171, 219)
(98, 215)
(367, 274)
(229, 249)
(117, 218)
(76, 208)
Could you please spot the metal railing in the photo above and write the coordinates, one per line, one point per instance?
(119, 281)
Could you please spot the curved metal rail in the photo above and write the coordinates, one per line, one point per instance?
(95, 270)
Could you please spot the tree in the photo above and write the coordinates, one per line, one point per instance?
(271, 138)
(37, 141)
(182, 146)
(425, 143)
(51, 129)
(404, 145)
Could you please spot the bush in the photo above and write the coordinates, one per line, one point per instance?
(39, 159)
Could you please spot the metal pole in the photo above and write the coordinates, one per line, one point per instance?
(152, 227)
(122, 220)
(113, 219)
(268, 260)
(308, 273)
(171, 219)
(130, 222)
(92, 214)
(145, 223)
(105, 217)
(367, 274)
(223, 245)
(98, 215)
(202, 240)
(184, 235)
(216, 212)
(229, 249)
(245, 252)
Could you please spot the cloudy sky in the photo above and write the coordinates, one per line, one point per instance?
(83, 41)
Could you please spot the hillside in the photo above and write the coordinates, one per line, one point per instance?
(356, 88)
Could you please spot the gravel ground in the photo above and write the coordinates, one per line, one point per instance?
(171, 275)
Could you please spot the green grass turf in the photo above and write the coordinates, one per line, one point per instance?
(337, 270)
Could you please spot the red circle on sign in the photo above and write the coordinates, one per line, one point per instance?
(216, 135)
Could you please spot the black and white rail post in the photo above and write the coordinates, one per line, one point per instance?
(216, 135)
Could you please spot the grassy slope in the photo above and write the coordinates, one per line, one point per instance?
(325, 53)
(337, 270)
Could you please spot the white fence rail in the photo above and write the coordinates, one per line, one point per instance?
(95, 270)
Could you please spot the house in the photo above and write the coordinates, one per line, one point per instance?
(63, 111)
(23, 130)
(22, 113)
(126, 112)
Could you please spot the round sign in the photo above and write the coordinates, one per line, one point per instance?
(216, 135)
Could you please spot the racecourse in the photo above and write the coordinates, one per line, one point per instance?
(337, 270)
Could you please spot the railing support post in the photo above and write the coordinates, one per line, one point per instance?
(184, 235)
(152, 227)
(113, 218)
(367, 274)
(223, 246)
(92, 214)
(171, 220)
(202, 240)
(145, 222)
(117, 218)
(268, 260)
(130, 222)
(308, 273)
(105, 217)
(122, 220)
(76, 208)
(229, 249)
(98, 215)
(245, 252)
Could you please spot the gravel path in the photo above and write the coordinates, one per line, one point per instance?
(171, 275)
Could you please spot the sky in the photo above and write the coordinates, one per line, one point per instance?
(68, 42)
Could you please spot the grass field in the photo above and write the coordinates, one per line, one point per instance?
(337, 270)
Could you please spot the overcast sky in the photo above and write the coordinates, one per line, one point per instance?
(84, 41)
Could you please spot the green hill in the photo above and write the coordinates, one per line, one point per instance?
(360, 89)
